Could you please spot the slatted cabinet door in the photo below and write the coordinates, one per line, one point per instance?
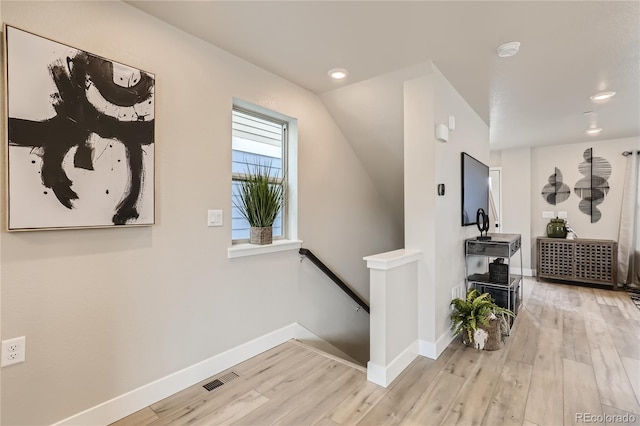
(596, 262)
(555, 259)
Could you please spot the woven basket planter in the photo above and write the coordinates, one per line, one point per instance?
(491, 341)
(261, 236)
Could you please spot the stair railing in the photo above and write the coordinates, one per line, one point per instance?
(306, 253)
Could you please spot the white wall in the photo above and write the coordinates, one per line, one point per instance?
(419, 203)
(327, 311)
(106, 311)
(432, 222)
(374, 128)
(394, 314)
(516, 201)
(495, 158)
(471, 135)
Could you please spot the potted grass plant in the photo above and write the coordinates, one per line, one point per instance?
(259, 200)
(482, 323)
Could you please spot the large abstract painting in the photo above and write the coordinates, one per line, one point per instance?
(80, 130)
(594, 186)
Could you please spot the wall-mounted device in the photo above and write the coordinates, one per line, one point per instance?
(441, 189)
(442, 133)
(452, 123)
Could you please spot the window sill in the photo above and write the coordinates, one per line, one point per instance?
(242, 250)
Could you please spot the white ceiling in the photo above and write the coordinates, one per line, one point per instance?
(570, 50)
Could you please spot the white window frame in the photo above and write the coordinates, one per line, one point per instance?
(289, 241)
(267, 150)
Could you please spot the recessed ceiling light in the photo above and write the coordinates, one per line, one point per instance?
(594, 131)
(338, 73)
(602, 96)
(508, 49)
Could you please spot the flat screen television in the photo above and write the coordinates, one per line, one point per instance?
(475, 188)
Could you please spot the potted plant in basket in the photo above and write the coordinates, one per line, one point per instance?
(260, 197)
(482, 323)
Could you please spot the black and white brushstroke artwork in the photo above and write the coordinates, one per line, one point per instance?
(556, 191)
(80, 137)
(594, 186)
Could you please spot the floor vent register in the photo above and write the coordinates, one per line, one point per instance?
(216, 383)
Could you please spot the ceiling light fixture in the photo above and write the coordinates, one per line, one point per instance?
(594, 131)
(602, 96)
(508, 49)
(338, 73)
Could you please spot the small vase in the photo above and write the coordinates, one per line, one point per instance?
(261, 236)
(557, 228)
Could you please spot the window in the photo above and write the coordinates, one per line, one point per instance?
(257, 140)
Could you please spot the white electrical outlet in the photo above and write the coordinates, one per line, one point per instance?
(548, 214)
(457, 293)
(13, 351)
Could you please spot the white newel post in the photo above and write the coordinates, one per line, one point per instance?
(394, 313)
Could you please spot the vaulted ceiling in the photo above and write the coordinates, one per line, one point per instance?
(569, 51)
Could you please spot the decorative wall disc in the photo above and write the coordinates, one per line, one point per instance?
(556, 191)
(594, 186)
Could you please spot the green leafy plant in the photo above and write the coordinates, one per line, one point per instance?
(260, 195)
(476, 310)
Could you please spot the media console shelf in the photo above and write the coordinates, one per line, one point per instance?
(581, 260)
(508, 291)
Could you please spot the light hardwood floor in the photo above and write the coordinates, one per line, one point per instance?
(572, 350)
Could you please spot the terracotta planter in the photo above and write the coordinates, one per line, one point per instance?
(261, 236)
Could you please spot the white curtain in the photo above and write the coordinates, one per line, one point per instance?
(629, 238)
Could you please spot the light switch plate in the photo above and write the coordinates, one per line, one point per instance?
(548, 214)
(562, 215)
(214, 218)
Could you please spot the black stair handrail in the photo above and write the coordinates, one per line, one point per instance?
(307, 253)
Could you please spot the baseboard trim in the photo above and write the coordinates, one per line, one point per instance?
(527, 272)
(433, 350)
(382, 375)
(137, 399)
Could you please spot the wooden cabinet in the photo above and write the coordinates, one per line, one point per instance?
(580, 260)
